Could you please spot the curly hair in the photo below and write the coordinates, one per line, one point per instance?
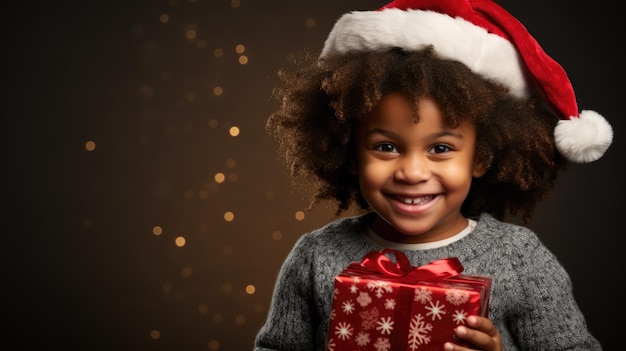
(322, 100)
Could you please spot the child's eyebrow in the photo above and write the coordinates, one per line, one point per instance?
(448, 132)
(380, 131)
(443, 133)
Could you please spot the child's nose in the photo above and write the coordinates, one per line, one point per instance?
(413, 169)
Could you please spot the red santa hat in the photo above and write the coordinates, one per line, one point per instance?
(488, 40)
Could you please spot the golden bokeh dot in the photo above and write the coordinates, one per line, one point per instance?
(231, 163)
(167, 287)
(157, 230)
(191, 34)
(277, 235)
(203, 308)
(203, 194)
(234, 131)
(240, 49)
(299, 215)
(164, 18)
(214, 345)
(219, 178)
(90, 145)
(155, 334)
(213, 123)
(250, 289)
(309, 23)
(235, 3)
(218, 91)
(240, 319)
(186, 272)
(180, 241)
(218, 53)
(259, 308)
(188, 194)
(229, 216)
(190, 96)
(217, 318)
(243, 59)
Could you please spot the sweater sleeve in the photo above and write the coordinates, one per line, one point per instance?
(290, 324)
(550, 318)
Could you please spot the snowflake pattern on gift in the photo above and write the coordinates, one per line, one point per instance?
(390, 304)
(385, 325)
(348, 307)
(457, 296)
(459, 316)
(344, 331)
(364, 299)
(418, 332)
(369, 318)
(379, 287)
(382, 344)
(436, 310)
(423, 295)
(333, 314)
(354, 289)
(362, 339)
(335, 293)
(331, 345)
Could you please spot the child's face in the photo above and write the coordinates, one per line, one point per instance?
(415, 175)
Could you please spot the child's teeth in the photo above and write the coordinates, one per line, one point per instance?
(414, 201)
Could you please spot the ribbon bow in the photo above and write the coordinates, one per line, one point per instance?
(377, 261)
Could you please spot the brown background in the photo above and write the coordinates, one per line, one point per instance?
(81, 266)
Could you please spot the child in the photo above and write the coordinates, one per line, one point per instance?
(437, 119)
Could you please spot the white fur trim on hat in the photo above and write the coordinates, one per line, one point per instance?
(452, 38)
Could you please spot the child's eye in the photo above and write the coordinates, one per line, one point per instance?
(386, 147)
(440, 148)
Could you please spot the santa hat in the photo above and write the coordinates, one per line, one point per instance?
(488, 40)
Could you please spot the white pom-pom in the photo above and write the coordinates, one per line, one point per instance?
(585, 138)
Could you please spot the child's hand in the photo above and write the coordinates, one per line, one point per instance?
(479, 332)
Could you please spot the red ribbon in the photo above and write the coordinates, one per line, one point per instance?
(378, 261)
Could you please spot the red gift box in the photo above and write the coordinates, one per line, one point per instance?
(381, 305)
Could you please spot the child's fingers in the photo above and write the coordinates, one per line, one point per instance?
(483, 324)
(480, 332)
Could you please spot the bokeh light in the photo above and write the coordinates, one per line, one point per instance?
(90, 145)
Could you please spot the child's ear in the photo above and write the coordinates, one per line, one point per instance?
(479, 169)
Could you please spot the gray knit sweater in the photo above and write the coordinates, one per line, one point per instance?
(531, 300)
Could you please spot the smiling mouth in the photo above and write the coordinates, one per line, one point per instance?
(415, 200)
